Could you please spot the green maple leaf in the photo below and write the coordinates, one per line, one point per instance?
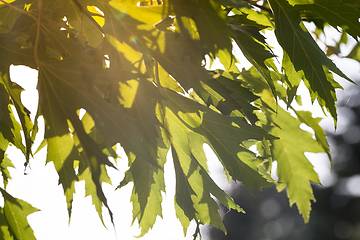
(229, 97)
(15, 212)
(124, 65)
(61, 148)
(113, 122)
(91, 189)
(14, 90)
(172, 51)
(218, 129)
(4, 165)
(305, 54)
(60, 144)
(294, 169)
(185, 120)
(148, 179)
(9, 127)
(146, 195)
(335, 12)
(4, 228)
(255, 51)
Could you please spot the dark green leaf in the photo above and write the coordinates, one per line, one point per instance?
(305, 54)
(9, 127)
(335, 12)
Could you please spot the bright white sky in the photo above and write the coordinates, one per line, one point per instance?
(40, 186)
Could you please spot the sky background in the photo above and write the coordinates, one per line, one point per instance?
(39, 186)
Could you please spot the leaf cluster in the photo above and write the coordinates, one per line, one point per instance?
(137, 71)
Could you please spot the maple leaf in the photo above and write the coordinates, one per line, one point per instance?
(183, 121)
(14, 90)
(13, 218)
(9, 127)
(294, 169)
(5, 164)
(137, 70)
(305, 54)
(335, 12)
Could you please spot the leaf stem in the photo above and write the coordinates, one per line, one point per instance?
(15, 8)
(157, 78)
(88, 14)
(197, 231)
(38, 35)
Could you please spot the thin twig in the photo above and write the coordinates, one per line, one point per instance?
(38, 35)
(15, 8)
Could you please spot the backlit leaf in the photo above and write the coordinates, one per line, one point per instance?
(138, 71)
(16, 212)
(9, 127)
(4, 165)
(183, 119)
(305, 54)
(335, 12)
(14, 91)
(294, 169)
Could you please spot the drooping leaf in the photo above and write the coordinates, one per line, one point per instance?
(90, 187)
(184, 118)
(148, 179)
(305, 54)
(9, 127)
(4, 165)
(240, 162)
(60, 145)
(146, 196)
(14, 90)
